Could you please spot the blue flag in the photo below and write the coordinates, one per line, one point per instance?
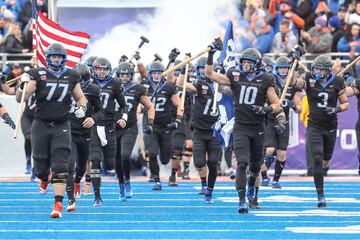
(227, 55)
(224, 125)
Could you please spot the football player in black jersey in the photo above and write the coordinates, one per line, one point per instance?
(126, 137)
(51, 134)
(103, 141)
(182, 147)
(207, 151)
(275, 141)
(251, 87)
(323, 90)
(81, 134)
(163, 96)
(6, 117)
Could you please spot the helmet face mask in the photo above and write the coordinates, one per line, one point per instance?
(56, 56)
(156, 68)
(102, 69)
(85, 74)
(321, 68)
(250, 61)
(282, 67)
(268, 64)
(125, 72)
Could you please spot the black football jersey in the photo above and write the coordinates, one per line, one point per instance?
(161, 98)
(94, 110)
(53, 93)
(249, 91)
(321, 95)
(29, 112)
(279, 87)
(189, 99)
(110, 91)
(132, 95)
(203, 118)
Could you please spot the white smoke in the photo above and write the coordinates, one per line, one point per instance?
(189, 25)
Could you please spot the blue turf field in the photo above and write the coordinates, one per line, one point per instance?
(179, 212)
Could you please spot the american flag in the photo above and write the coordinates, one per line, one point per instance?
(46, 32)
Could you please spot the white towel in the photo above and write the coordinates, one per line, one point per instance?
(102, 135)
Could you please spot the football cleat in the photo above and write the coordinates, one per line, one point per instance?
(122, 193)
(77, 192)
(128, 190)
(208, 197)
(276, 185)
(186, 174)
(243, 208)
(71, 206)
(265, 182)
(203, 190)
(321, 202)
(43, 187)
(57, 209)
(157, 186)
(172, 181)
(98, 202)
(254, 204)
(28, 168)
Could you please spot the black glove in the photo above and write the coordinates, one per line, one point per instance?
(174, 125)
(137, 55)
(8, 120)
(149, 127)
(291, 104)
(281, 124)
(219, 68)
(261, 110)
(348, 78)
(216, 45)
(123, 58)
(174, 54)
(332, 110)
(295, 54)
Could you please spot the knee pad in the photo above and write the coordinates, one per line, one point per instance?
(59, 178)
(268, 160)
(95, 172)
(242, 166)
(188, 152)
(176, 155)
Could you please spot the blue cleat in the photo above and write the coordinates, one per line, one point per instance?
(128, 190)
(122, 193)
(243, 208)
(250, 194)
(157, 186)
(321, 202)
(33, 176)
(208, 197)
(276, 185)
(265, 182)
(98, 202)
(203, 190)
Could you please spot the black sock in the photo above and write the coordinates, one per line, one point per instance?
(203, 181)
(212, 175)
(87, 178)
(279, 166)
(156, 178)
(318, 177)
(96, 182)
(241, 181)
(59, 198)
(186, 165)
(173, 172)
(264, 175)
(70, 187)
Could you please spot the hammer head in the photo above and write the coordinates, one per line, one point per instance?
(300, 49)
(188, 54)
(157, 57)
(144, 39)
